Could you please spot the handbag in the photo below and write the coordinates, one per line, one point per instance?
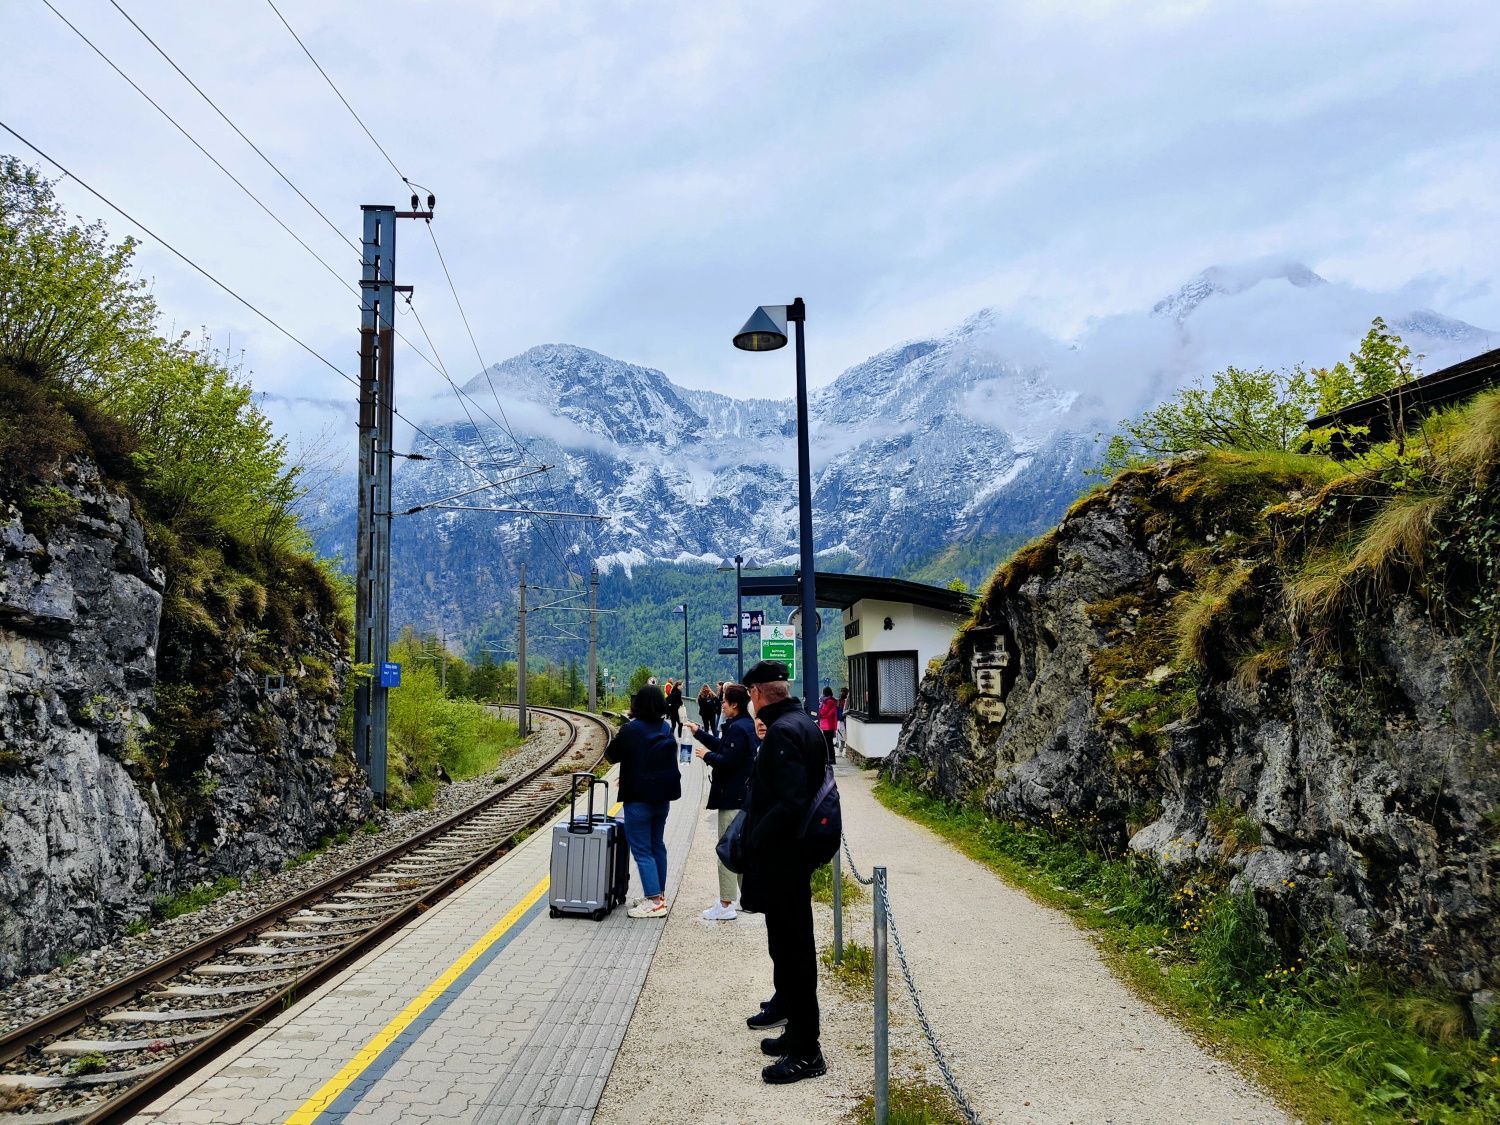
(731, 845)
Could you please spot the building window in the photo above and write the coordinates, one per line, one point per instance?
(896, 688)
(883, 685)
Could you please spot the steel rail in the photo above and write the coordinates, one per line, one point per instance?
(128, 1101)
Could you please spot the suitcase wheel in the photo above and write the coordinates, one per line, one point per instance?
(598, 915)
(554, 912)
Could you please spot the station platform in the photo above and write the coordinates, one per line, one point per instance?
(486, 1010)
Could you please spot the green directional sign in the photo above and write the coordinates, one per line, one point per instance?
(779, 642)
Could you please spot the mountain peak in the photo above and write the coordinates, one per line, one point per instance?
(1231, 279)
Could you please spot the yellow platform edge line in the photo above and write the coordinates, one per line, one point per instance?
(308, 1111)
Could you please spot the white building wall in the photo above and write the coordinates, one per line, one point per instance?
(927, 631)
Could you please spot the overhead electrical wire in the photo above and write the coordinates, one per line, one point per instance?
(214, 105)
(308, 348)
(277, 219)
(521, 447)
(436, 366)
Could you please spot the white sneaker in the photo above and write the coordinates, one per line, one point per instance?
(718, 912)
(648, 908)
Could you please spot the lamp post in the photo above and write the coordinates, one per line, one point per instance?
(739, 622)
(686, 675)
(765, 331)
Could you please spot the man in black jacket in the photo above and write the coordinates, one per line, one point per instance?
(788, 772)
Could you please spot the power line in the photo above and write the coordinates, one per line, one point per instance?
(335, 89)
(270, 163)
(505, 421)
(308, 348)
(254, 197)
(194, 141)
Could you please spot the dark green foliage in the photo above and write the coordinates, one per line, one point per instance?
(85, 372)
(194, 898)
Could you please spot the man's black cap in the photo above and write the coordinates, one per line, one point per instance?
(765, 672)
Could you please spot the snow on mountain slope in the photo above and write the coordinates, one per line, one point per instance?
(983, 432)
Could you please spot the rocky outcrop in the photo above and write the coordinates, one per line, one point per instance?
(104, 803)
(1137, 676)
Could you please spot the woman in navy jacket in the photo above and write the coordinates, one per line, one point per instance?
(731, 755)
(649, 782)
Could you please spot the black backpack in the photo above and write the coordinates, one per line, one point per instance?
(823, 826)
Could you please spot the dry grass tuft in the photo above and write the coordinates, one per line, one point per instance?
(1397, 537)
(1200, 614)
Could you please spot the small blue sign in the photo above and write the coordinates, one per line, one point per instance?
(390, 674)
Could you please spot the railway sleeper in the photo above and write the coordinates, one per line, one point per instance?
(366, 896)
(220, 970)
(223, 989)
(318, 932)
(272, 950)
(77, 1081)
(51, 1116)
(173, 1015)
(73, 1047)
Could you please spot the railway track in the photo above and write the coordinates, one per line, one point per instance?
(108, 1054)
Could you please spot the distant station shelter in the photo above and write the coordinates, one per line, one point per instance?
(892, 628)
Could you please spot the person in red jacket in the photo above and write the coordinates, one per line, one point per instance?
(828, 719)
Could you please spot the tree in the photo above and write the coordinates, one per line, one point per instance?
(70, 306)
(1381, 363)
(484, 681)
(638, 679)
(1258, 410)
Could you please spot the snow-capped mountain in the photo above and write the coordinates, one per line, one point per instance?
(981, 433)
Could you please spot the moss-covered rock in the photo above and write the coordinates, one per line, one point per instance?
(1179, 692)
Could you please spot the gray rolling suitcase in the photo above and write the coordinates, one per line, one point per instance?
(590, 863)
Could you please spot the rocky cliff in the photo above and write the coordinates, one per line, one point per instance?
(166, 715)
(1262, 672)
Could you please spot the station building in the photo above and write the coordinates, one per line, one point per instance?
(892, 628)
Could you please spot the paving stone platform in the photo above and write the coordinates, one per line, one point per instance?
(485, 1010)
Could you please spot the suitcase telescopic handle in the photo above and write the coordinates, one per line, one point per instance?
(591, 781)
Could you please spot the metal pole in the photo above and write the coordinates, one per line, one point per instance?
(838, 911)
(443, 658)
(593, 639)
(739, 629)
(687, 678)
(521, 658)
(797, 313)
(882, 1012)
(373, 549)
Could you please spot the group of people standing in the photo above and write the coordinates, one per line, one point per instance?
(710, 706)
(768, 757)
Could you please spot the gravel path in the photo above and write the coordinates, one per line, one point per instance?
(1037, 1027)
(24, 1000)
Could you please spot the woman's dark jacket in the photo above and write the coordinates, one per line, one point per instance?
(647, 754)
(732, 756)
(674, 700)
(708, 707)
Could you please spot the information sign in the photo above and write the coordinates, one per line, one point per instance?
(728, 631)
(779, 642)
(752, 620)
(390, 674)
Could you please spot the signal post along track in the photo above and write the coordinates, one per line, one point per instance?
(485, 1010)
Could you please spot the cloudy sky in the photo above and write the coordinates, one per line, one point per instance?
(635, 177)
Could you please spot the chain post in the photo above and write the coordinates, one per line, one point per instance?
(882, 1009)
(838, 911)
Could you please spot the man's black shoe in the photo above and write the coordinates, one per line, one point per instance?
(776, 1047)
(794, 1068)
(765, 1021)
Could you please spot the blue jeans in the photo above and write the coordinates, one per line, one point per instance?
(645, 829)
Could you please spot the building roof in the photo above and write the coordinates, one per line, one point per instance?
(843, 590)
(1441, 388)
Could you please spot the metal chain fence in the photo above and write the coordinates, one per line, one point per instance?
(882, 889)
